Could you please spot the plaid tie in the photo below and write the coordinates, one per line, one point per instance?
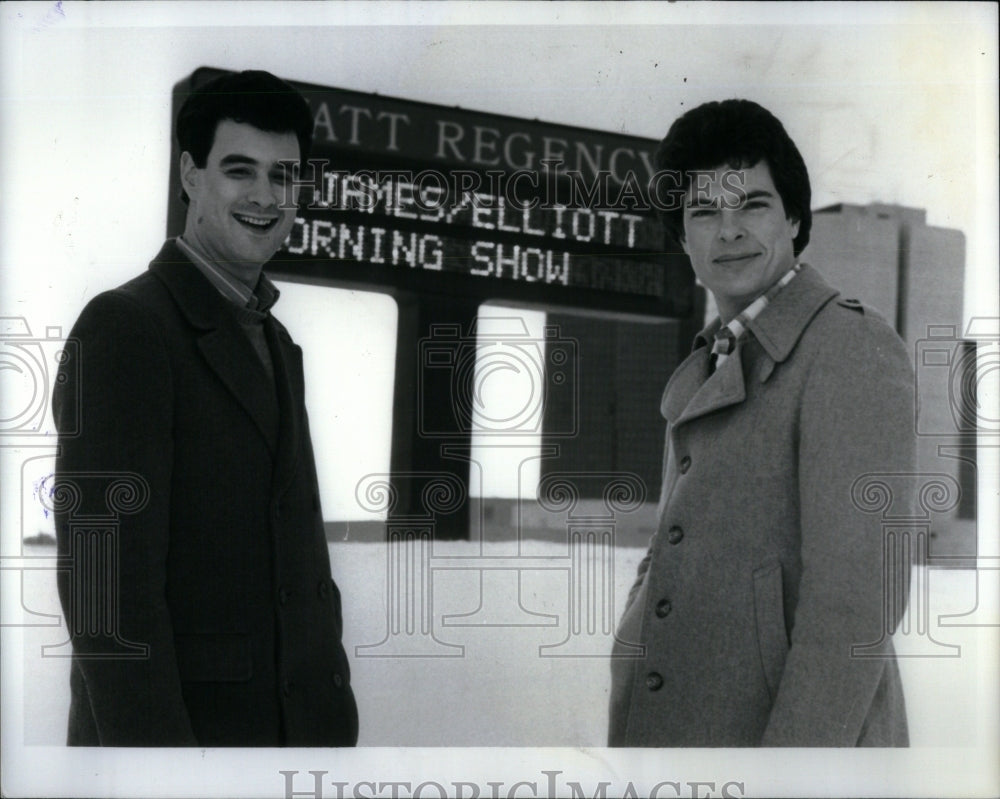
(722, 348)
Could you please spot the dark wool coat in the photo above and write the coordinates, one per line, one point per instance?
(763, 572)
(223, 575)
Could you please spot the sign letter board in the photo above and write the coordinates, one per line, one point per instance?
(402, 196)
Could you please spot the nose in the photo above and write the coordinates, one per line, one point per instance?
(262, 192)
(730, 225)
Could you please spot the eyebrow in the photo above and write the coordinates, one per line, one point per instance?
(758, 193)
(245, 160)
(231, 160)
(701, 202)
(745, 197)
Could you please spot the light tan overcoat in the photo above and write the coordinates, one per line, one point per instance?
(764, 571)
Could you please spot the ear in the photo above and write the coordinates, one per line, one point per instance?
(795, 226)
(190, 174)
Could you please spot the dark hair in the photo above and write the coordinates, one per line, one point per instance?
(738, 134)
(253, 97)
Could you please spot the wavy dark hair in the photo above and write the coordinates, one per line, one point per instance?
(738, 134)
(253, 97)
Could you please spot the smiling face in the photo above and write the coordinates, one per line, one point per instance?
(737, 234)
(238, 215)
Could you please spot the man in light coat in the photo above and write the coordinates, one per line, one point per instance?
(200, 601)
(761, 601)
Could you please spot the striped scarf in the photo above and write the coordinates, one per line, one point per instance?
(727, 335)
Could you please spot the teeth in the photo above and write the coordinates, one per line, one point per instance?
(255, 222)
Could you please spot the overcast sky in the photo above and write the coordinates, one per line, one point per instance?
(894, 102)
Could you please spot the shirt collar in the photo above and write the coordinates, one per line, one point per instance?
(260, 300)
(738, 325)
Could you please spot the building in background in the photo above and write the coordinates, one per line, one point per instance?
(884, 255)
(912, 273)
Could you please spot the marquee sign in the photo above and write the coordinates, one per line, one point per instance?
(403, 196)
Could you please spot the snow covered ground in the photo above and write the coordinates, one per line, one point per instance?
(499, 663)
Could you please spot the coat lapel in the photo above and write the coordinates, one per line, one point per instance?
(781, 324)
(724, 388)
(223, 344)
(684, 384)
(288, 373)
(691, 393)
(237, 365)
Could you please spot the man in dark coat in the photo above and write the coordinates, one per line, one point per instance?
(207, 616)
(762, 602)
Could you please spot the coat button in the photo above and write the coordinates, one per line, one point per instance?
(675, 534)
(663, 608)
(324, 589)
(654, 682)
(282, 596)
(286, 688)
(338, 680)
(685, 464)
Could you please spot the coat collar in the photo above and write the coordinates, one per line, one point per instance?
(778, 328)
(780, 325)
(198, 300)
(229, 353)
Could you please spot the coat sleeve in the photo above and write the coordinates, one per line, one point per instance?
(665, 490)
(639, 577)
(856, 419)
(117, 613)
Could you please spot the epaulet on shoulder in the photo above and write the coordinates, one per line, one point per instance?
(870, 318)
(852, 304)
